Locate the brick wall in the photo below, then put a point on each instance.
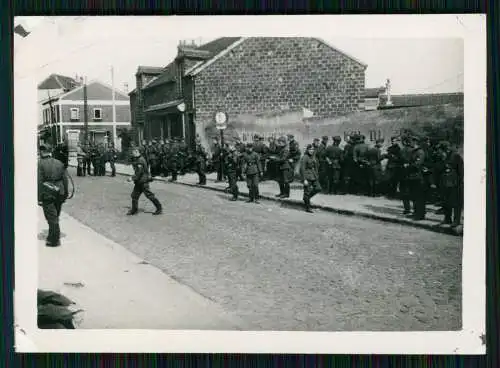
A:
(122, 113)
(267, 74)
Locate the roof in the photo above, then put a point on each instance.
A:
(57, 81)
(213, 47)
(374, 92)
(423, 99)
(149, 69)
(100, 89)
(163, 106)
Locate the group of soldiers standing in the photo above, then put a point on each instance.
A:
(92, 159)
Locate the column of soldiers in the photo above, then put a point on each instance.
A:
(92, 159)
(415, 171)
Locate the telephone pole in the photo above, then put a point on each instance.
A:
(114, 105)
(85, 111)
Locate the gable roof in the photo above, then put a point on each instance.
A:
(57, 81)
(141, 69)
(119, 95)
(214, 47)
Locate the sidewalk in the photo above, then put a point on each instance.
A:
(378, 208)
(116, 289)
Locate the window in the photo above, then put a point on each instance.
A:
(75, 113)
(98, 114)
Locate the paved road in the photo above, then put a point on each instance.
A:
(280, 268)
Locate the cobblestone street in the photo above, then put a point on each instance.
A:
(280, 268)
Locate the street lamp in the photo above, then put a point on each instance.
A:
(182, 108)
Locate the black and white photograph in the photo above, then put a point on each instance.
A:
(221, 177)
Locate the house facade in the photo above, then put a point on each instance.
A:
(244, 77)
(65, 113)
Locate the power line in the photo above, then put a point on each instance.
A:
(444, 81)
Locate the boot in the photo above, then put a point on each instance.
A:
(250, 196)
(286, 191)
(256, 196)
(134, 208)
(281, 191)
(159, 209)
(308, 205)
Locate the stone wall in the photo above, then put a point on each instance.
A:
(272, 74)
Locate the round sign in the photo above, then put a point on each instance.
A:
(181, 107)
(220, 120)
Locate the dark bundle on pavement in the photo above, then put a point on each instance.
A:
(53, 311)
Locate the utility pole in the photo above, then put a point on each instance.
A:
(114, 105)
(51, 122)
(85, 112)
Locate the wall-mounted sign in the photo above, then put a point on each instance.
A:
(221, 120)
(181, 107)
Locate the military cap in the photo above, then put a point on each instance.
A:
(249, 145)
(282, 139)
(317, 139)
(337, 138)
(325, 137)
(379, 141)
(309, 146)
(290, 136)
(256, 136)
(444, 145)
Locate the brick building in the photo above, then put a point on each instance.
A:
(67, 116)
(244, 76)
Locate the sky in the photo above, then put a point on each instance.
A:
(89, 46)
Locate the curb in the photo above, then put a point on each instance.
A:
(297, 203)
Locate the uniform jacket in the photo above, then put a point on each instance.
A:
(294, 151)
(373, 156)
(359, 152)
(283, 157)
(394, 156)
(217, 151)
(240, 147)
(141, 172)
(321, 152)
(231, 163)
(452, 171)
(416, 165)
(200, 153)
(335, 155)
(251, 163)
(51, 171)
(80, 153)
(309, 168)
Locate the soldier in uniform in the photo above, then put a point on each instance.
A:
(285, 164)
(271, 170)
(141, 181)
(94, 155)
(323, 164)
(173, 159)
(165, 164)
(295, 155)
(240, 148)
(61, 153)
(201, 162)
(416, 180)
(80, 156)
(154, 158)
(252, 171)
(183, 156)
(374, 156)
(232, 161)
(143, 150)
(334, 157)
(361, 165)
(309, 172)
(217, 158)
(404, 185)
(86, 159)
(348, 166)
(111, 157)
(451, 184)
(394, 166)
(52, 192)
(101, 159)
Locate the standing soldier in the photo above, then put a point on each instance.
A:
(101, 159)
(394, 166)
(240, 148)
(451, 184)
(231, 166)
(111, 157)
(201, 162)
(362, 166)
(86, 160)
(141, 181)
(334, 156)
(173, 158)
(373, 157)
(52, 192)
(416, 180)
(323, 164)
(154, 158)
(260, 148)
(183, 156)
(165, 158)
(295, 155)
(94, 155)
(80, 156)
(216, 158)
(310, 176)
(404, 185)
(348, 166)
(284, 163)
(252, 171)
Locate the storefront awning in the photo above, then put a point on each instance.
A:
(164, 107)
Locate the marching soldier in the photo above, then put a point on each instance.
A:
(143, 150)
(451, 184)
(374, 156)
(252, 171)
(200, 155)
(323, 164)
(334, 157)
(216, 158)
(284, 163)
(231, 166)
(141, 181)
(394, 166)
(310, 176)
(52, 192)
